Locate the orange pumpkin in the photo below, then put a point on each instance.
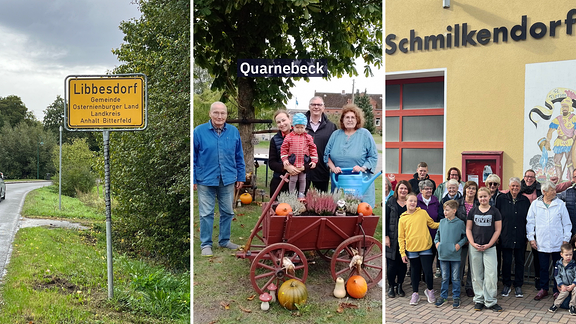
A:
(356, 286)
(292, 292)
(283, 209)
(246, 198)
(365, 209)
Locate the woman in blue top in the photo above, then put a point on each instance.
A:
(353, 147)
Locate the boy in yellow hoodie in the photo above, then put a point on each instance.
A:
(415, 243)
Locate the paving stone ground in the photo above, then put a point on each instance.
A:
(515, 310)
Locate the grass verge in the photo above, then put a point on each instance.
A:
(222, 286)
(58, 275)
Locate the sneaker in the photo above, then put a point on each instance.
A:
(207, 251)
(456, 303)
(430, 295)
(553, 309)
(505, 291)
(495, 308)
(572, 310)
(415, 299)
(230, 246)
(518, 292)
(440, 301)
(301, 195)
(438, 273)
(478, 306)
(541, 294)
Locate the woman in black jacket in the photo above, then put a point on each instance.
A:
(395, 268)
(513, 207)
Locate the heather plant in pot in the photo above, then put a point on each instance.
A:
(321, 203)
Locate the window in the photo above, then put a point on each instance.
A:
(414, 125)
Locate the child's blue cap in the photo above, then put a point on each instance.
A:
(299, 119)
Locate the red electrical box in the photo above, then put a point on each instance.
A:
(477, 165)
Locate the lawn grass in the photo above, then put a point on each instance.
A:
(44, 202)
(58, 275)
(225, 280)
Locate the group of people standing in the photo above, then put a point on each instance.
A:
(490, 227)
(307, 146)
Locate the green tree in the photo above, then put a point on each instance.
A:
(22, 147)
(362, 100)
(225, 31)
(77, 162)
(150, 169)
(13, 111)
(54, 118)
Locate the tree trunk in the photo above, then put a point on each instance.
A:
(246, 111)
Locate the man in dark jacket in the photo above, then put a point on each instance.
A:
(421, 175)
(320, 128)
(513, 207)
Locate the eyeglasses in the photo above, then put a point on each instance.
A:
(426, 188)
(529, 177)
(316, 105)
(490, 184)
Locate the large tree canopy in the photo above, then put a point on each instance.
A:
(336, 30)
(151, 168)
(13, 112)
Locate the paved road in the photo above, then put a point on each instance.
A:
(10, 216)
(516, 310)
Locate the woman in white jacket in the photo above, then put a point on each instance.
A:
(548, 227)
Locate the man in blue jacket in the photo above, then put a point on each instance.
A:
(218, 169)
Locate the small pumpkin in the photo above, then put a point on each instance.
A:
(365, 209)
(292, 292)
(339, 291)
(356, 286)
(283, 209)
(246, 198)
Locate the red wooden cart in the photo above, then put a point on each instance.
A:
(277, 253)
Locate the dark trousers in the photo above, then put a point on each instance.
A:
(519, 257)
(319, 185)
(544, 273)
(423, 262)
(395, 270)
(536, 269)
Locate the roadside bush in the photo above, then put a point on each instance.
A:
(77, 174)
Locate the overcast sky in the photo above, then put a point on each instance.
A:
(43, 41)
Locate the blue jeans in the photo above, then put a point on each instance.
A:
(206, 201)
(450, 268)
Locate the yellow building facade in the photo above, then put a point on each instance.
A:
(498, 72)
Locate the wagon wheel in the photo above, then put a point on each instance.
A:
(371, 268)
(268, 266)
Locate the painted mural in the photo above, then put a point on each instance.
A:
(550, 119)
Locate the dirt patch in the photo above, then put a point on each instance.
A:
(51, 282)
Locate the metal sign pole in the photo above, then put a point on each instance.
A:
(60, 173)
(106, 134)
